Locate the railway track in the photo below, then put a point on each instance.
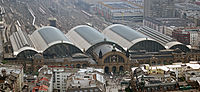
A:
(37, 12)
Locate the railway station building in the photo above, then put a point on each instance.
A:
(116, 49)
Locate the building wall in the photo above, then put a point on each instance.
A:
(169, 30)
(51, 84)
(109, 13)
(181, 36)
(158, 27)
(14, 76)
(103, 62)
(194, 38)
(19, 83)
(59, 79)
(127, 64)
(159, 8)
(187, 36)
(139, 2)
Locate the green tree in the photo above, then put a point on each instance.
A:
(4, 62)
(128, 89)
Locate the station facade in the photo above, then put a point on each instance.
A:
(116, 49)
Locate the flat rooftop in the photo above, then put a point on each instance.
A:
(11, 68)
(177, 22)
(121, 5)
(188, 6)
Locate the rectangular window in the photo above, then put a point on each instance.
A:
(86, 76)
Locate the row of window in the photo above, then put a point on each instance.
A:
(114, 58)
(90, 90)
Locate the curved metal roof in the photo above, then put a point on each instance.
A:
(52, 34)
(21, 42)
(181, 46)
(124, 35)
(125, 32)
(47, 36)
(24, 49)
(84, 36)
(80, 55)
(104, 48)
(171, 44)
(158, 36)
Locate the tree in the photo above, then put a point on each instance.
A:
(128, 89)
(4, 62)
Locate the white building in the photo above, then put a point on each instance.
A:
(60, 75)
(117, 11)
(180, 69)
(86, 80)
(194, 38)
(80, 77)
(139, 2)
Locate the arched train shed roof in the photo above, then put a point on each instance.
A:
(175, 44)
(86, 37)
(39, 41)
(47, 36)
(128, 37)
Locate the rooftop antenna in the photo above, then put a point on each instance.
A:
(114, 47)
(105, 39)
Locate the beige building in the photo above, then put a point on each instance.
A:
(11, 78)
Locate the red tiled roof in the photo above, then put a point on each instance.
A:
(43, 78)
(42, 87)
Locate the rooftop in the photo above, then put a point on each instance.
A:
(85, 37)
(130, 38)
(11, 68)
(39, 41)
(188, 6)
(177, 22)
(122, 34)
(121, 5)
(162, 38)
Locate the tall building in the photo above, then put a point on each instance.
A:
(60, 75)
(181, 36)
(117, 11)
(159, 8)
(161, 24)
(147, 4)
(86, 80)
(187, 36)
(139, 2)
(188, 11)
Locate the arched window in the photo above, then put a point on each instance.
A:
(121, 68)
(106, 69)
(107, 60)
(153, 62)
(27, 54)
(114, 69)
(84, 65)
(120, 59)
(114, 58)
(78, 66)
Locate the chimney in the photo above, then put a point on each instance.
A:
(52, 22)
(114, 47)
(3, 71)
